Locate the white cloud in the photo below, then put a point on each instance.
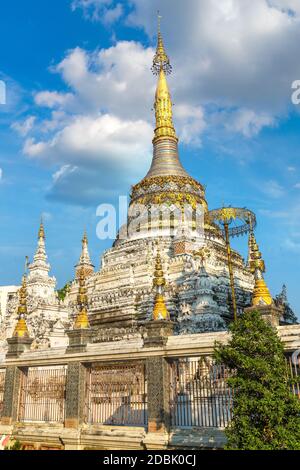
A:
(13, 97)
(53, 99)
(23, 128)
(233, 68)
(57, 120)
(47, 216)
(115, 143)
(112, 15)
(290, 6)
(272, 189)
(33, 148)
(114, 80)
(87, 139)
(228, 52)
(247, 122)
(102, 126)
(1, 175)
(191, 122)
(96, 156)
(63, 172)
(291, 245)
(117, 79)
(287, 217)
(297, 186)
(106, 11)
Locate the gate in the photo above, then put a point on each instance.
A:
(200, 396)
(117, 395)
(42, 397)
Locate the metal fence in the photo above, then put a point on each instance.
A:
(117, 395)
(293, 366)
(42, 397)
(200, 396)
(2, 385)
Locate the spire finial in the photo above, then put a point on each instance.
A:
(159, 279)
(261, 293)
(160, 311)
(85, 238)
(84, 260)
(163, 103)
(21, 329)
(159, 17)
(82, 321)
(256, 261)
(42, 229)
(161, 60)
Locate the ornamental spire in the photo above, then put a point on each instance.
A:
(161, 60)
(261, 293)
(40, 262)
(40, 267)
(84, 260)
(39, 283)
(41, 235)
(163, 103)
(82, 321)
(160, 311)
(21, 329)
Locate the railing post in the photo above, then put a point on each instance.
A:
(158, 385)
(75, 394)
(11, 395)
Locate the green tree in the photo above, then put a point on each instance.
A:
(14, 445)
(64, 291)
(266, 414)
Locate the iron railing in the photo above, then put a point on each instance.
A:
(117, 395)
(2, 385)
(293, 366)
(42, 396)
(200, 396)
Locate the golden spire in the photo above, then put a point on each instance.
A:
(161, 59)
(41, 230)
(261, 293)
(21, 329)
(163, 103)
(255, 256)
(84, 260)
(160, 311)
(82, 321)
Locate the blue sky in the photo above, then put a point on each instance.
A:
(76, 130)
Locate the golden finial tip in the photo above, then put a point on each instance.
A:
(85, 238)
(159, 17)
(41, 229)
(161, 60)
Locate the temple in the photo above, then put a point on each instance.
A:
(175, 218)
(145, 322)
